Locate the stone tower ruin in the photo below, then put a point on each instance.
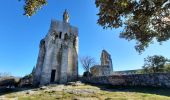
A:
(58, 55)
(106, 67)
(106, 59)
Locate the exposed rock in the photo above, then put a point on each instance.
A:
(77, 83)
(27, 92)
(43, 87)
(82, 91)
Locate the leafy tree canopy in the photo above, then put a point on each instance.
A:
(167, 67)
(155, 63)
(143, 20)
(31, 6)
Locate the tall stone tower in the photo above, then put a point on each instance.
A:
(106, 59)
(106, 67)
(58, 54)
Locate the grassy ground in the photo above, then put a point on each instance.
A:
(88, 92)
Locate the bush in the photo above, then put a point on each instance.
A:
(9, 81)
(26, 81)
(87, 74)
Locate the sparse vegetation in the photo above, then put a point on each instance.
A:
(88, 92)
(7, 80)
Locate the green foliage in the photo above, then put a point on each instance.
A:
(154, 64)
(141, 71)
(143, 20)
(167, 67)
(31, 6)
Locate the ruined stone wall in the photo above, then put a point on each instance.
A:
(99, 70)
(154, 80)
(106, 59)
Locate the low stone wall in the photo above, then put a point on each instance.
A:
(154, 80)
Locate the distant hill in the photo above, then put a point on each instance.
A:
(125, 72)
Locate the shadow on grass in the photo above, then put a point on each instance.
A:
(4, 91)
(110, 88)
(139, 89)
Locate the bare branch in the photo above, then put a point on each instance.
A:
(87, 62)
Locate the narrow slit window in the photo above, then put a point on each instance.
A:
(60, 35)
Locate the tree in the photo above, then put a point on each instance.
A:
(143, 20)
(167, 67)
(155, 64)
(87, 62)
(31, 6)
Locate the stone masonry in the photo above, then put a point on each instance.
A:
(58, 55)
(146, 80)
(105, 68)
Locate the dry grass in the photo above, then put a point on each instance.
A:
(88, 92)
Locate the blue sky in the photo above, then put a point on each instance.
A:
(20, 36)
